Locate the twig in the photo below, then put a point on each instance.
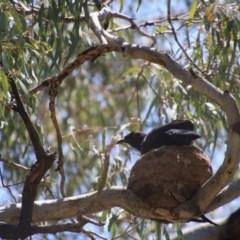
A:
(128, 230)
(68, 227)
(105, 157)
(45, 83)
(91, 234)
(103, 178)
(54, 84)
(133, 25)
(6, 161)
(89, 54)
(176, 38)
(84, 220)
(53, 91)
(7, 187)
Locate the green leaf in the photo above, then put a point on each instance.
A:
(179, 232)
(4, 23)
(17, 19)
(162, 29)
(165, 232)
(23, 87)
(112, 222)
(193, 9)
(3, 83)
(5, 63)
(121, 6)
(139, 4)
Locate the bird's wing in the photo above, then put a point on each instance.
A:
(180, 124)
(183, 133)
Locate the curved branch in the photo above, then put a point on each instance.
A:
(58, 209)
(228, 194)
(224, 99)
(53, 210)
(32, 132)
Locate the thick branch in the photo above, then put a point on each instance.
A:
(53, 210)
(228, 194)
(71, 206)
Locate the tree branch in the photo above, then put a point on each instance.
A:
(228, 194)
(44, 162)
(33, 135)
(224, 99)
(59, 209)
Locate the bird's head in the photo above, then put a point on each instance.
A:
(134, 139)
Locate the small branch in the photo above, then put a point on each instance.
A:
(7, 187)
(176, 38)
(133, 25)
(91, 235)
(54, 83)
(103, 36)
(34, 137)
(53, 91)
(53, 229)
(9, 231)
(45, 83)
(88, 55)
(103, 178)
(33, 178)
(106, 156)
(20, 166)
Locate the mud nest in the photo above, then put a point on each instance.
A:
(170, 175)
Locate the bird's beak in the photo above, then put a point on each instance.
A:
(120, 141)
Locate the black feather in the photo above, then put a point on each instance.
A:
(176, 133)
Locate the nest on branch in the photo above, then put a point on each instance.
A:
(170, 175)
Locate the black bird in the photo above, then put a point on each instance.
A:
(176, 133)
